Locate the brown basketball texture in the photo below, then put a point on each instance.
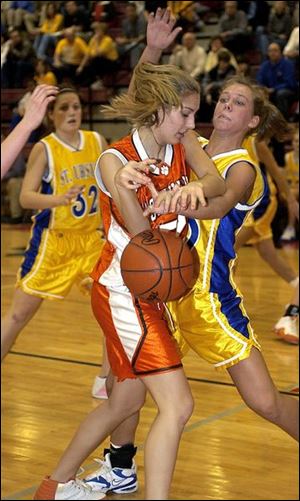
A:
(159, 265)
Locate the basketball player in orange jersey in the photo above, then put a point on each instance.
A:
(141, 350)
(65, 238)
(33, 117)
(213, 318)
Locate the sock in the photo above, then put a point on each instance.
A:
(294, 283)
(292, 310)
(121, 456)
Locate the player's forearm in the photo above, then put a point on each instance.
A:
(132, 212)
(13, 144)
(39, 201)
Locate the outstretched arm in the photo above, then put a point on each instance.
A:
(160, 35)
(34, 114)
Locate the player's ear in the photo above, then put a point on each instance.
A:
(254, 122)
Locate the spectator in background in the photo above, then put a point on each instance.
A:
(43, 74)
(278, 76)
(243, 66)
(103, 12)
(280, 24)
(101, 57)
(77, 17)
(46, 35)
(189, 56)
(16, 13)
(258, 18)
(132, 39)
(216, 43)
(68, 56)
(187, 16)
(213, 82)
(291, 49)
(233, 28)
(12, 186)
(19, 63)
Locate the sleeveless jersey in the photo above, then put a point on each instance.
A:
(292, 169)
(172, 171)
(271, 189)
(214, 239)
(69, 166)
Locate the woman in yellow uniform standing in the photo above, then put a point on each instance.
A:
(65, 236)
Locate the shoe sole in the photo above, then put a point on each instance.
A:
(287, 337)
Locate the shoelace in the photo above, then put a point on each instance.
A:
(80, 486)
(104, 468)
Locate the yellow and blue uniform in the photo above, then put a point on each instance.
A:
(65, 241)
(211, 318)
(261, 218)
(291, 166)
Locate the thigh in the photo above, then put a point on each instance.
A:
(216, 326)
(138, 338)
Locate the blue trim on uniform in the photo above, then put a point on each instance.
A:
(41, 222)
(260, 210)
(230, 307)
(194, 232)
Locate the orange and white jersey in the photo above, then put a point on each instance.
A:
(172, 171)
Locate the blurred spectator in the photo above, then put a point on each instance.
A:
(5, 45)
(101, 58)
(291, 49)
(216, 43)
(152, 6)
(68, 56)
(16, 13)
(19, 62)
(258, 18)
(187, 16)
(243, 68)
(77, 17)
(12, 183)
(233, 28)
(46, 35)
(133, 34)
(103, 12)
(278, 76)
(280, 24)
(43, 74)
(213, 81)
(4, 23)
(189, 56)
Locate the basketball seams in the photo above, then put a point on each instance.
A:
(160, 256)
(170, 266)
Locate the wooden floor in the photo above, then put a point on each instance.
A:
(226, 453)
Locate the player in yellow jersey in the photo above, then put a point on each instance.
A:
(291, 170)
(65, 236)
(258, 230)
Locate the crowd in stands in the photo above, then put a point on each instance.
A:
(82, 42)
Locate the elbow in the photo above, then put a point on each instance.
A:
(24, 201)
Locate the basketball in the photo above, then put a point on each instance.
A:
(158, 265)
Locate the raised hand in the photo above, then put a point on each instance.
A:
(37, 103)
(160, 32)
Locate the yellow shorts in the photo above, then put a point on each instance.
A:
(55, 260)
(215, 326)
(262, 225)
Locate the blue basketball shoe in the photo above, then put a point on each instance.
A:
(109, 479)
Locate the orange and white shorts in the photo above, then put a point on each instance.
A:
(138, 339)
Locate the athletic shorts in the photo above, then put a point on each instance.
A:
(139, 341)
(55, 260)
(215, 326)
(262, 225)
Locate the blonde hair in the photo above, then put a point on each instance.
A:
(155, 87)
(272, 123)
